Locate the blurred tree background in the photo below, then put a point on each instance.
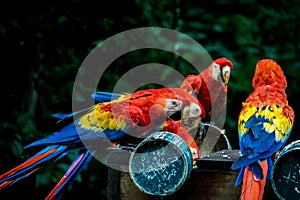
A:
(44, 44)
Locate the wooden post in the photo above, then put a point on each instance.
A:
(118, 160)
(212, 179)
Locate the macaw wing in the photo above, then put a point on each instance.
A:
(74, 135)
(71, 134)
(256, 149)
(99, 97)
(263, 131)
(95, 125)
(192, 84)
(258, 138)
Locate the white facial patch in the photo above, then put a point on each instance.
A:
(195, 110)
(172, 106)
(221, 75)
(216, 73)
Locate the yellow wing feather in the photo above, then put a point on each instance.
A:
(276, 120)
(247, 112)
(99, 120)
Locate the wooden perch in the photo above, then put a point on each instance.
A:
(212, 179)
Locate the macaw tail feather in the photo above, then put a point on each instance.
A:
(74, 170)
(253, 187)
(32, 164)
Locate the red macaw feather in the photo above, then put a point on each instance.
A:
(252, 187)
(175, 127)
(137, 114)
(264, 125)
(209, 91)
(27, 163)
(210, 88)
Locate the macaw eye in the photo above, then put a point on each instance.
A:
(198, 110)
(216, 65)
(195, 110)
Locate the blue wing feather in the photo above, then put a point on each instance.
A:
(257, 143)
(75, 134)
(256, 150)
(102, 97)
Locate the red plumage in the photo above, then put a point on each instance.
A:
(210, 88)
(264, 125)
(177, 128)
(137, 114)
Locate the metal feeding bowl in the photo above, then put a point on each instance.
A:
(285, 176)
(160, 164)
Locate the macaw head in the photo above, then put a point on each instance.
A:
(191, 116)
(221, 69)
(268, 72)
(194, 110)
(190, 107)
(173, 106)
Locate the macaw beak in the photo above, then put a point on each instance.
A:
(226, 77)
(226, 74)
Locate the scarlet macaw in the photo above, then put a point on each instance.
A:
(264, 125)
(210, 87)
(184, 127)
(216, 77)
(136, 114)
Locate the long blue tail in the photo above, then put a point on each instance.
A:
(50, 153)
(74, 170)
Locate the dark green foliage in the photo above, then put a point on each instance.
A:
(43, 46)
